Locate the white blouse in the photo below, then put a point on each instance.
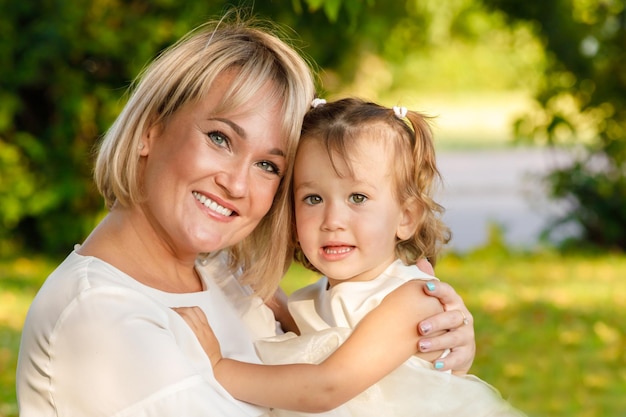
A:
(98, 343)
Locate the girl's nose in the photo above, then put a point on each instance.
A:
(334, 217)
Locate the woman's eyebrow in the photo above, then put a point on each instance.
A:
(242, 133)
(277, 151)
(238, 129)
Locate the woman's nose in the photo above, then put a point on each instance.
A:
(235, 180)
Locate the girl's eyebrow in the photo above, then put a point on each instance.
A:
(305, 184)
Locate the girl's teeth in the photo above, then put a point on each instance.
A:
(337, 251)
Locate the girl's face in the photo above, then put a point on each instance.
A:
(209, 179)
(347, 225)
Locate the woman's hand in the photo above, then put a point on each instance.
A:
(278, 305)
(456, 320)
(196, 319)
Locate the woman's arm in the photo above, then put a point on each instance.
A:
(381, 342)
(456, 323)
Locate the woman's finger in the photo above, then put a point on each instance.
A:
(455, 314)
(445, 293)
(447, 320)
(457, 325)
(425, 266)
(456, 361)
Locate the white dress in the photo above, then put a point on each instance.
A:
(98, 343)
(326, 318)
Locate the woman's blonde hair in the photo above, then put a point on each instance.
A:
(256, 53)
(341, 127)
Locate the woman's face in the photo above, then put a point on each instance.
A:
(209, 179)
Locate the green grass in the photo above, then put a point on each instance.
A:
(20, 278)
(550, 328)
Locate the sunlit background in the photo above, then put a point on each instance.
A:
(529, 106)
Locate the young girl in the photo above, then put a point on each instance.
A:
(362, 194)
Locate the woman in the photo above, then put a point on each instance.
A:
(193, 165)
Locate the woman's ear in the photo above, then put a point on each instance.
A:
(411, 213)
(148, 137)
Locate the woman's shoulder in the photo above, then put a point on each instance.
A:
(80, 281)
(75, 303)
(68, 280)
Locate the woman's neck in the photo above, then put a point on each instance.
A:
(124, 240)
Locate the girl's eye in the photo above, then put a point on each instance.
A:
(312, 200)
(218, 138)
(270, 167)
(357, 198)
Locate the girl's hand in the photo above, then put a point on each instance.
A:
(456, 320)
(196, 319)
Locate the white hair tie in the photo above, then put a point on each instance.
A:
(400, 112)
(317, 102)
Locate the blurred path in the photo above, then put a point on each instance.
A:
(501, 186)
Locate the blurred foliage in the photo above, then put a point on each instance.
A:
(582, 101)
(423, 47)
(67, 64)
(598, 200)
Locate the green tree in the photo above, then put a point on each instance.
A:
(582, 101)
(581, 98)
(66, 65)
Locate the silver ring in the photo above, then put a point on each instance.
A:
(465, 319)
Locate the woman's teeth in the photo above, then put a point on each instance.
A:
(212, 205)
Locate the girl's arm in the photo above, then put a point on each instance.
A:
(444, 330)
(381, 342)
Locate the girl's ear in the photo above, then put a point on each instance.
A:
(411, 213)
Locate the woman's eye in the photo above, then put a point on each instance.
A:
(358, 198)
(312, 199)
(269, 167)
(218, 138)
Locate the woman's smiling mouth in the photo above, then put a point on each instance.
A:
(212, 205)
